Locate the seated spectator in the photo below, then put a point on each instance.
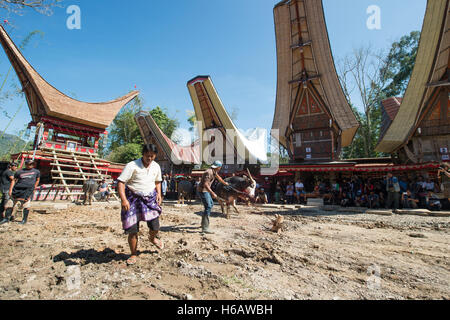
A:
(420, 191)
(433, 202)
(429, 185)
(316, 190)
(104, 191)
(409, 201)
(374, 200)
(300, 193)
(266, 186)
(322, 188)
(261, 197)
(278, 193)
(360, 201)
(382, 200)
(346, 200)
(335, 192)
(290, 193)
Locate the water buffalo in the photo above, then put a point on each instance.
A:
(185, 191)
(239, 188)
(89, 188)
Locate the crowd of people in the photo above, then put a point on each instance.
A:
(389, 192)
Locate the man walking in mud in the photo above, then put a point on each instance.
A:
(139, 188)
(21, 191)
(207, 194)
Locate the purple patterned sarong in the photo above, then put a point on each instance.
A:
(142, 208)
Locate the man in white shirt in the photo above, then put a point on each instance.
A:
(299, 190)
(139, 189)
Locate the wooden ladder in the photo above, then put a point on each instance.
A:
(62, 178)
(100, 174)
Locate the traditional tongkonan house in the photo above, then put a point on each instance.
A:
(312, 114)
(238, 152)
(173, 158)
(67, 131)
(420, 131)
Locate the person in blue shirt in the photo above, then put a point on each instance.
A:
(393, 190)
(403, 184)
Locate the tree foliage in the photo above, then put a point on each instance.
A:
(41, 6)
(375, 76)
(124, 129)
(125, 140)
(167, 124)
(126, 153)
(401, 57)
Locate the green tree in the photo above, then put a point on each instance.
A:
(400, 64)
(375, 76)
(124, 129)
(125, 135)
(167, 124)
(126, 153)
(192, 119)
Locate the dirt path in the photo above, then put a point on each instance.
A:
(80, 253)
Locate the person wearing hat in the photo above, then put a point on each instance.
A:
(207, 194)
(5, 182)
(21, 191)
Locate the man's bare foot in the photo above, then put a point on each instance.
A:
(132, 260)
(157, 243)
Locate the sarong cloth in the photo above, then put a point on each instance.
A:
(142, 208)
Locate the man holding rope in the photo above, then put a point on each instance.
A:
(207, 194)
(139, 189)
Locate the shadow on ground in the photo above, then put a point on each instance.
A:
(91, 256)
(181, 229)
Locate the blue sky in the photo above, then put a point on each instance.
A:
(159, 45)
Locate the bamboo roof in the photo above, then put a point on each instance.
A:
(174, 153)
(301, 30)
(44, 100)
(211, 113)
(430, 68)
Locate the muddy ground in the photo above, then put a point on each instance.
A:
(80, 253)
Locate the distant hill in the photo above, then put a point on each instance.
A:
(11, 144)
